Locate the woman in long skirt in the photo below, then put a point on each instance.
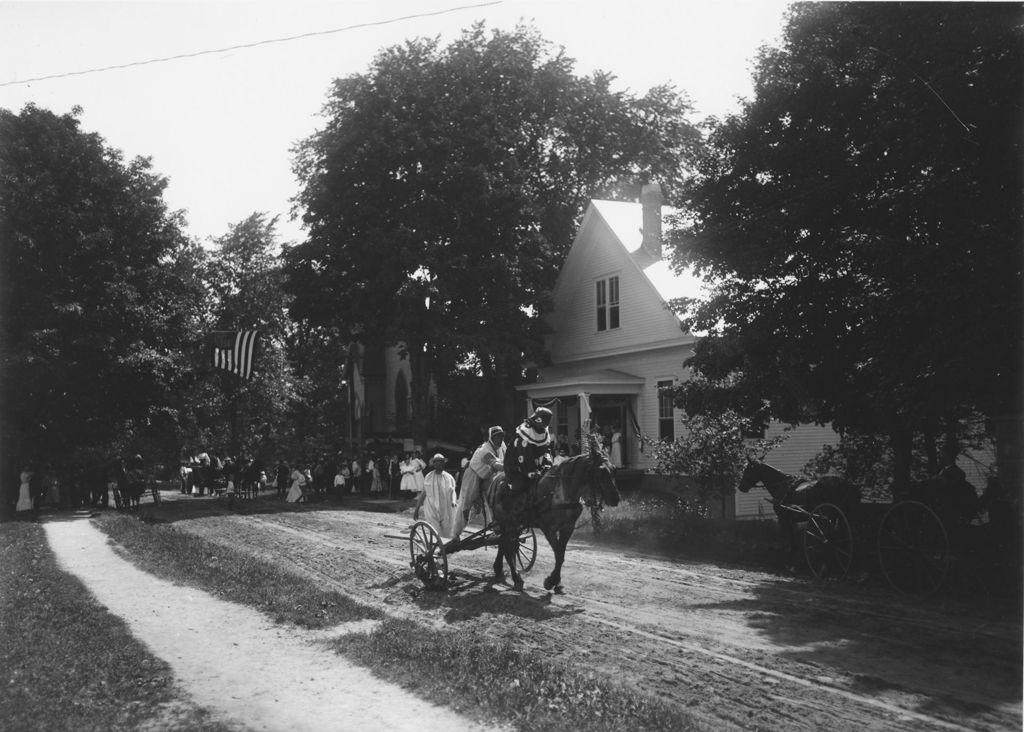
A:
(25, 499)
(374, 467)
(407, 468)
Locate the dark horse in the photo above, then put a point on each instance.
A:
(553, 505)
(794, 497)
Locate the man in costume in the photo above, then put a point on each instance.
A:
(487, 460)
(437, 499)
(529, 455)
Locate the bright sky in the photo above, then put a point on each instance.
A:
(220, 126)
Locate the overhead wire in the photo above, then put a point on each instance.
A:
(254, 44)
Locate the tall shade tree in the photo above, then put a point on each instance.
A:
(445, 188)
(246, 291)
(100, 294)
(862, 218)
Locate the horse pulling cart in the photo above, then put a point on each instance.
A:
(913, 541)
(552, 506)
(428, 552)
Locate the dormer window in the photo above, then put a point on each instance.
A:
(608, 303)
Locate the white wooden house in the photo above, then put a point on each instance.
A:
(615, 342)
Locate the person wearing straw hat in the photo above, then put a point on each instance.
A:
(487, 460)
(437, 499)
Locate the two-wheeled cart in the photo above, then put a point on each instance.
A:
(429, 553)
(913, 544)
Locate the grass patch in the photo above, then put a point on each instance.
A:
(479, 676)
(231, 575)
(67, 663)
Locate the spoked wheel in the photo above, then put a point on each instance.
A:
(913, 548)
(526, 551)
(428, 560)
(828, 542)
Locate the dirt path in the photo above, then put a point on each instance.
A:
(737, 647)
(233, 661)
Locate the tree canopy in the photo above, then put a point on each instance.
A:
(862, 220)
(99, 292)
(444, 191)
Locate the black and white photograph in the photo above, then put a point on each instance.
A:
(511, 365)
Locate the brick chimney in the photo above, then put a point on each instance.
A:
(650, 201)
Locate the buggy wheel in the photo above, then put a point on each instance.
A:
(428, 559)
(828, 542)
(526, 551)
(913, 548)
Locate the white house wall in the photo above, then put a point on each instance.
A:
(645, 323)
(652, 366)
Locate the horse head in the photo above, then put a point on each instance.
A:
(751, 475)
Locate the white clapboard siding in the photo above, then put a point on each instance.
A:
(802, 443)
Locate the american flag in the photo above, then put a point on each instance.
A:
(233, 351)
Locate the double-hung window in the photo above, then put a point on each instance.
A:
(608, 303)
(666, 415)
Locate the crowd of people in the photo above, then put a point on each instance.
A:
(96, 484)
(367, 473)
(445, 492)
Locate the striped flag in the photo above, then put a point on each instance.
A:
(636, 427)
(234, 350)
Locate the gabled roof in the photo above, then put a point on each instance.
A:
(625, 219)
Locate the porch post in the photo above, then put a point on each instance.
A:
(584, 400)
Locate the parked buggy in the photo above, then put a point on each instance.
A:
(914, 540)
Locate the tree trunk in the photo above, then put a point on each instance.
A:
(902, 452)
(1009, 432)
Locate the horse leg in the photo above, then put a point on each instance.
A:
(559, 540)
(499, 573)
(553, 579)
(792, 544)
(507, 549)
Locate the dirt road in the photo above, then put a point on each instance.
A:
(737, 647)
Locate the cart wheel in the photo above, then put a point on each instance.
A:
(913, 548)
(526, 552)
(428, 560)
(828, 542)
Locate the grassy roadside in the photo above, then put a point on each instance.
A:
(231, 575)
(68, 664)
(472, 674)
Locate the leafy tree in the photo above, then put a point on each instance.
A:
(862, 220)
(99, 294)
(445, 188)
(245, 283)
(711, 452)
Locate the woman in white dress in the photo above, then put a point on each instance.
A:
(25, 501)
(295, 492)
(407, 469)
(616, 451)
(417, 475)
